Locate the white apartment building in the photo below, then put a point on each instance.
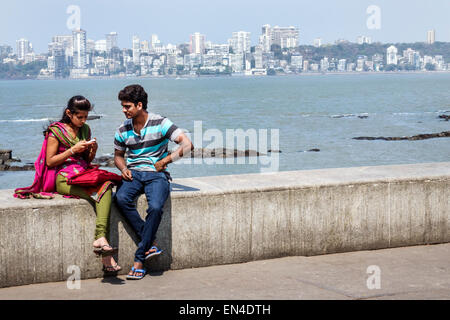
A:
(297, 62)
(258, 56)
(111, 41)
(266, 38)
(342, 65)
(240, 42)
(391, 55)
(317, 42)
(79, 49)
(23, 47)
(237, 62)
(136, 48)
(285, 37)
(431, 36)
(197, 43)
(155, 42)
(101, 45)
(324, 64)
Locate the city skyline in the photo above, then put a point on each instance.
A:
(174, 23)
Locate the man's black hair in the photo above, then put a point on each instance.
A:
(135, 94)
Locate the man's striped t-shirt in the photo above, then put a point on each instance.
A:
(150, 146)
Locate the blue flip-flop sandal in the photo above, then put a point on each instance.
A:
(143, 271)
(154, 253)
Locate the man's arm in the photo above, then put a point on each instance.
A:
(119, 161)
(186, 147)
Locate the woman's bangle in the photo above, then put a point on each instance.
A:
(124, 169)
(72, 151)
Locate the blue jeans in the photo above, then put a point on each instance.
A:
(156, 187)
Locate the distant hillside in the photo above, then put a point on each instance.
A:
(17, 72)
(351, 51)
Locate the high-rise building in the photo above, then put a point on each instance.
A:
(391, 55)
(145, 46)
(79, 49)
(101, 45)
(317, 42)
(431, 36)
(23, 48)
(258, 56)
(65, 40)
(240, 42)
(5, 50)
(265, 40)
(197, 43)
(136, 47)
(285, 37)
(111, 41)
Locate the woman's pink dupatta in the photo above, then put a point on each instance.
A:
(44, 184)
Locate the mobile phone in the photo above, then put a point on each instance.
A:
(91, 141)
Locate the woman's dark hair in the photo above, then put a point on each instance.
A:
(75, 105)
(135, 94)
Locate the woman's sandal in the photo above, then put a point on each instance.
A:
(99, 251)
(111, 270)
(135, 277)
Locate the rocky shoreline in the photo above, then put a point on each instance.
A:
(444, 134)
(6, 159)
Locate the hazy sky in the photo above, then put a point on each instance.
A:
(173, 21)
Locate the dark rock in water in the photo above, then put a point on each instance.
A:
(108, 161)
(5, 155)
(223, 153)
(94, 117)
(314, 150)
(445, 117)
(363, 117)
(26, 167)
(105, 161)
(444, 134)
(5, 160)
(274, 151)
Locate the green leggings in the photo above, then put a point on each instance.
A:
(102, 208)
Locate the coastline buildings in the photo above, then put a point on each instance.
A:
(277, 52)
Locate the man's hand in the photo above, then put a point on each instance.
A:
(120, 163)
(161, 165)
(127, 175)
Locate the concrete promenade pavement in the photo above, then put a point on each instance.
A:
(419, 272)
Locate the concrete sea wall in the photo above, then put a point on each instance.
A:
(239, 218)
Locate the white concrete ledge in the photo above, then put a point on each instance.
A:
(239, 218)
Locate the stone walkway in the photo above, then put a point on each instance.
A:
(421, 272)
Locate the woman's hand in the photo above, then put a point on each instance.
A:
(80, 147)
(93, 146)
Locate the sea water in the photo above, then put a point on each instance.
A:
(321, 112)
